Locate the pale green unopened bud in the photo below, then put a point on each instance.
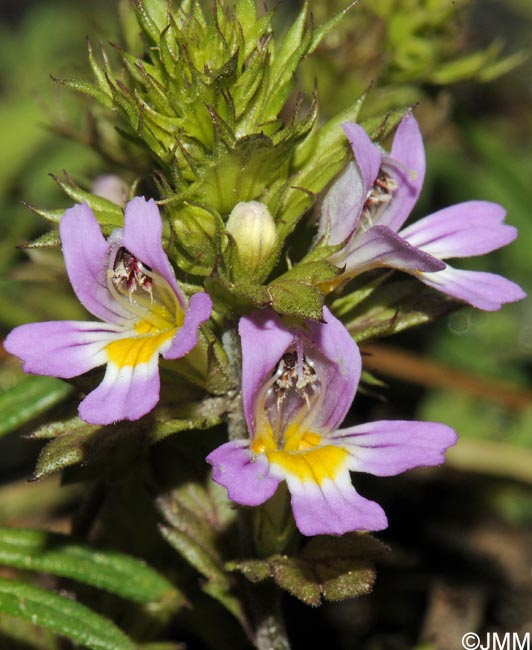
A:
(112, 188)
(253, 229)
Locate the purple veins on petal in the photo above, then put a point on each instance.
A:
(389, 447)
(128, 282)
(62, 349)
(462, 230)
(333, 508)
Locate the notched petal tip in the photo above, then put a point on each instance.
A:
(389, 447)
(126, 393)
(334, 508)
(246, 477)
(485, 291)
(63, 349)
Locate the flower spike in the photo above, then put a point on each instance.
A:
(297, 387)
(128, 283)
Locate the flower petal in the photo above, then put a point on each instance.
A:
(389, 447)
(85, 253)
(264, 341)
(485, 291)
(143, 229)
(381, 247)
(368, 156)
(471, 228)
(409, 151)
(60, 348)
(126, 393)
(333, 508)
(199, 310)
(341, 376)
(342, 206)
(246, 476)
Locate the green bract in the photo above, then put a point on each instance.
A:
(206, 109)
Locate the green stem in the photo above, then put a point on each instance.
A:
(270, 631)
(263, 601)
(236, 423)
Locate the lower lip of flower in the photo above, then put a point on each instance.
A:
(139, 348)
(302, 455)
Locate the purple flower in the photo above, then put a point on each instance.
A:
(297, 386)
(129, 284)
(371, 200)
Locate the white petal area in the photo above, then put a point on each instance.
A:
(333, 507)
(126, 393)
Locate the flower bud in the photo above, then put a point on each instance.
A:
(112, 188)
(253, 228)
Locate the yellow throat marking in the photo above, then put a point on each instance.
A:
(302, 456)
(141, 347)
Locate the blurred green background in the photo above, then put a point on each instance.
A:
(471, 370)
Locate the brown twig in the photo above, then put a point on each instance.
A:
(401, 364)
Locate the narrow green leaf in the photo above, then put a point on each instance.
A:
(29, 398)
(49, 239)
(284, 64)
(198, 517)
(99, 73)
(357, 292)
(50, 215)
(117, 573)
(105, 211)
(74, 442)
(319, 159)
(321, 32)
(62, 616)
(148, 12)
(329, 140)
(290, 44)
(246, 13)
(195, 553)
(86, 88)
(395, 307)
